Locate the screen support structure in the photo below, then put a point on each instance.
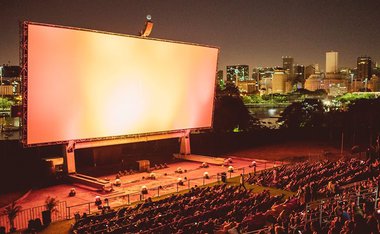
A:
(185, 144)
(70, 147)
(24, 76)
(69, 157)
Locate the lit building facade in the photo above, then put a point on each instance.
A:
(313, 82)
(236, 73)
(332, 62)
(11, 80)
(364, 68)
(280, 77)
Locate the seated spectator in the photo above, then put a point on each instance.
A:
(144, 190)
(98, 201)
(180, 182)
(231, 169)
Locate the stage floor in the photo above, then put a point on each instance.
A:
(131, 184)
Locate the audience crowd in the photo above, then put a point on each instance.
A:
(315, 180)
(201, 210)
(330, 197)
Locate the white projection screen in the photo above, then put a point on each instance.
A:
(84, 84)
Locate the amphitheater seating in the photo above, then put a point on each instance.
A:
(348, 187)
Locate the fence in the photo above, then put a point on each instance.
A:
(315, 210)
(22, 219)
(67, 212)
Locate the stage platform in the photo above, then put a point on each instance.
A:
(201, 158)
(166, 182)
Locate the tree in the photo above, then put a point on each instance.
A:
(363, 115)
(230, 111)
(11, 211)
(308, 113)
(5, 103)
(51, 204)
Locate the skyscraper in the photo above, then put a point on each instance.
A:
(299, 75)
(332, 62)
(236, 73)
(287, 64)
(364, 68)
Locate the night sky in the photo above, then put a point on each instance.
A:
(253, 32)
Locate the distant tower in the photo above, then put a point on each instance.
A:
(287, 64)
(332, 62)
(299, 75)
(364, 66)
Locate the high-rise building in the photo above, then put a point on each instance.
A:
(256, 74)
(299, 75)
(364, 68)
(287, 64)
(11, 80)
(332, 62)
(236, 73)
(279, 80)
(309, 70)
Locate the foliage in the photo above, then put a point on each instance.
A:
(351, 97)
(256, 98)
(51, 203)
(358, 120)
(222, 84)
(299, 94)
(247, 99)
(308, 113)
(230, 90)
(230, 112)
(364, 115)
(5, 103)
(279, 98)
(11, 211)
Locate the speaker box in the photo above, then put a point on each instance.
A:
(144, 165)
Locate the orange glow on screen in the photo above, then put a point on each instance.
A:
(84, 85)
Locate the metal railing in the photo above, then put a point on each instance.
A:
(355, 196)
(22, 219)
(67, 212)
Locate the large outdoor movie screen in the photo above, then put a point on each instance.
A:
(84, 84)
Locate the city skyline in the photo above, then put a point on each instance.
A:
(256, 33)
